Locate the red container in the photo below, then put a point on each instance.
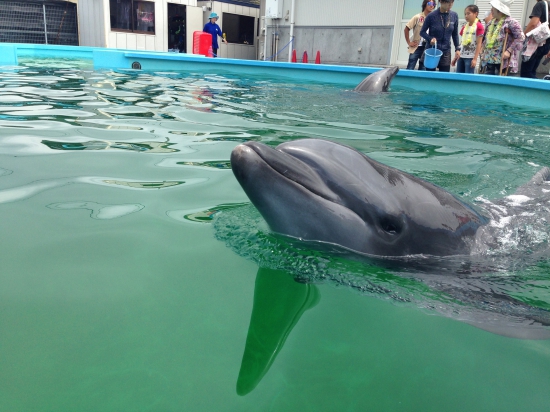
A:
(202, 41)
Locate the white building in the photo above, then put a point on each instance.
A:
(358, 32)
(163, 25)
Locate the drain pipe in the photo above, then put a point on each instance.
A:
(273, 45)
(291, 31)
(276, 45)
(265, 37)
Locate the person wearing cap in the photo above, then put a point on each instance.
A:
(416, 45)
(215, 30)
(439, 27)
(494, 57)
(538, 15)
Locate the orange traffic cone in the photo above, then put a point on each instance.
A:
(293, 60)
(318, 57)
(304, 57)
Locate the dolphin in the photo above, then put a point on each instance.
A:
(329, 194)
(318, 190)
(378, 81)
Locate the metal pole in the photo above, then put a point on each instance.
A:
(291, 31)
(45, 25)
(265, 37)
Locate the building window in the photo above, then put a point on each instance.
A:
(238, 29)
(133, 15)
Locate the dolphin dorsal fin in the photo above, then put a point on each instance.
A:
(538, 179)
(543, 175)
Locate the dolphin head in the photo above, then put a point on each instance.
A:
(378, 81)
(323, 191)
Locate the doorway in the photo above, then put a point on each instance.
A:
(177, 41)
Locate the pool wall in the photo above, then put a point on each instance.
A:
(515, 90)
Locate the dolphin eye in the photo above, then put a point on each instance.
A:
(390, 226)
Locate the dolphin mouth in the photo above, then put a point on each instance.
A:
(293, 169)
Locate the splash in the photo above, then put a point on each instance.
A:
(459, 287)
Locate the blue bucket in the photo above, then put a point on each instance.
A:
(431, 57)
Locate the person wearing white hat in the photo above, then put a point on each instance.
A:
(538, 15)
(502, 29)
(215, 30)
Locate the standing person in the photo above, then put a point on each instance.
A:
(538, 15)
(212, 28)
(442, 24)
(493, 55)
(487, 19)
(472, 37)
(416, 46)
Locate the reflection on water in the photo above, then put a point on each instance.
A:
(144, 185)
(98, 145)
(99, 211)
(183, 310)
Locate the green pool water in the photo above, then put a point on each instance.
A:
(131, 260)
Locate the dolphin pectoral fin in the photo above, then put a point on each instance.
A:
(279, 302)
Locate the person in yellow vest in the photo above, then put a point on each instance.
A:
(472, 37)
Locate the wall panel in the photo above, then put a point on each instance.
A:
(338, 45)
(131, 41)
(140, 42)
(91, 34)
(332, 13)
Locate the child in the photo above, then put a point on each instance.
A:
(472, 37)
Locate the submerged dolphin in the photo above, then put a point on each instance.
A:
(323, 191)
(378, 81)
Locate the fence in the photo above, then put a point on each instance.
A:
(38, 22)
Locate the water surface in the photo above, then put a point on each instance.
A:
(130, 256)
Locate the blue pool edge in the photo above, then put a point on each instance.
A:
(514, 90)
